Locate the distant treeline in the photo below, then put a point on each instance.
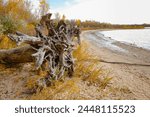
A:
(146, 25)
(86, 25)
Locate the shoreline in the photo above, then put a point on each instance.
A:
(115, 41)
(131, 50)
(136, 78)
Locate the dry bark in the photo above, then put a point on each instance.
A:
(17, 55)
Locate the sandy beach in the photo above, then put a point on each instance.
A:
(129, 65)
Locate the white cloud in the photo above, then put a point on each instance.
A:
(113, 11)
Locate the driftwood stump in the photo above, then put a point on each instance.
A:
(55, 48)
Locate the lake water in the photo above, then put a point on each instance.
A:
(140, 37)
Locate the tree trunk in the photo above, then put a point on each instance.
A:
(17, 55)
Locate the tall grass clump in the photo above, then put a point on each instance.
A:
(88, 67)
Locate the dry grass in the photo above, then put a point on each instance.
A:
(88, 68)
(6, 43)
(59, 90)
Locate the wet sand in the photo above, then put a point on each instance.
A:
(129, 65)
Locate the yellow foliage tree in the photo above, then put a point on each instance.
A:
(44, 7)
(16, 15)
(15, 7)
(78, 22)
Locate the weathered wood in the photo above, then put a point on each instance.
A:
(23, 38)
(55, 48)
(17, 55)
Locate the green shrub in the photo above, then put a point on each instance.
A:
(8, 24)
(1, 29)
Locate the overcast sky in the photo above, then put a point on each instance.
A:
(112, 11)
